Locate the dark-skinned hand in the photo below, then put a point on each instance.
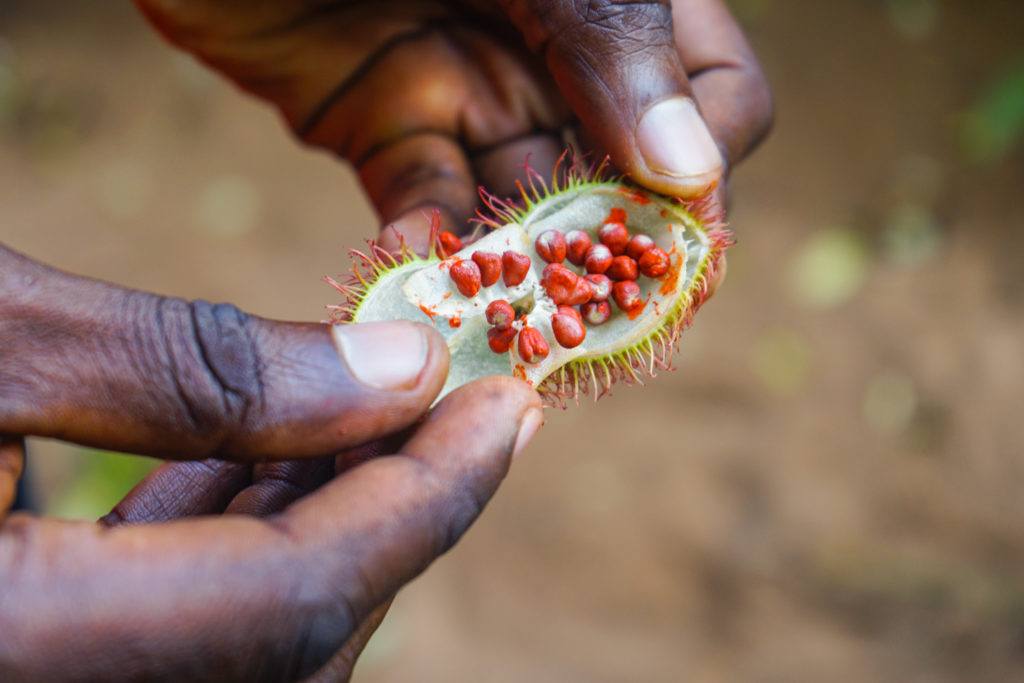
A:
(428, 100)
(256, 595)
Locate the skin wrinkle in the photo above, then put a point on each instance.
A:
(216, 331)
(184, 397)
(351, 80)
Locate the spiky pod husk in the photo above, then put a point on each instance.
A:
(584, 376)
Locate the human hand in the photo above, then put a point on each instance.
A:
(431, 99)
(232, 597)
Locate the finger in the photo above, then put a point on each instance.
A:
(408, 178)
(403, 511)
(12, 463)
(728, 81)
(341, 665)
(180, 489)
(500, 167)
(237, 598)
(92, 363)
(275, 485)
(617, 65)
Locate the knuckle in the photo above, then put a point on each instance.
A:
(614, 31)
(623, 21)
(217, 367)
(624, 27)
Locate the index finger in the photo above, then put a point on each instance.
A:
(725, 75)
(235, 597)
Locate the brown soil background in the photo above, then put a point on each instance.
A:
(825, 490)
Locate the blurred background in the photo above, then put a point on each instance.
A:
(831, 485)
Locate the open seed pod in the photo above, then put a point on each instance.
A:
(586, 283)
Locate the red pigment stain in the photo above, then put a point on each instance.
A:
(519, 372)
(455, 321)
(447, 295)
(429, 311)
(635, 312)
(634, 196)
(616, 215)
(664, 213)
(670, 280)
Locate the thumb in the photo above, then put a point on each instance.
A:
(617, 66)
(90, 362)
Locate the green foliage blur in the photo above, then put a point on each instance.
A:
(100, 479)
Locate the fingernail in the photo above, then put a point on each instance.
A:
(528, 426)
(675, 141)
(383, 355)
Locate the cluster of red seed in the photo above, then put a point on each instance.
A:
(485, 267)
(502, 317)
(611, 267)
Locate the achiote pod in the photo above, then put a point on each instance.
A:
(557, 284)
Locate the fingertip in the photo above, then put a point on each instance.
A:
(492, 418)
(678, 153)
(394, 356)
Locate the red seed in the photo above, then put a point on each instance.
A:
(599, 257)
(622, 268)
(501, 340)
(578, 243)
(568, 329)
(569, 310)
(490, 267)
(466, 276)
(500, 314)
(551, 246)
(564, 286)
(596, 312)
(638, 244)
(602, 286)
(450, 243)
(615, 236)
(532, 346)
(654, 263)
(514, 268)
(626, 294)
